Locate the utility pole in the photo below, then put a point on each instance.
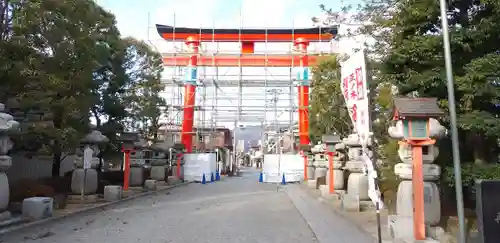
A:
(273, 102)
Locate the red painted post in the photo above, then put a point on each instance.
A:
(126, 172)
(305, 165)
(418, 193)
(303, 93)
(331, 180)
(190, 94)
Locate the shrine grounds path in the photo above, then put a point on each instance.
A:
(234, 210)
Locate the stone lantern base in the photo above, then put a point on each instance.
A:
(158, 172)
(174, 172)
(432, 202)
(338, 179)
(319, 172)
(89, 185)
(357, 184)
(136, 176)
(4, 197)
(310, 172)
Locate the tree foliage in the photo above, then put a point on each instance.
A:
(64, 62)
(145, 87)
(406, 55)
(328, 113)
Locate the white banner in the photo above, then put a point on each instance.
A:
(354, 87)
(355, 90)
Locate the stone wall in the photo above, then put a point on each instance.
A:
(35, 167)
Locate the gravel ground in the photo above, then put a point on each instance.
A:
(234, 210)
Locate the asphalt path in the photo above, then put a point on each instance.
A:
(233, 210)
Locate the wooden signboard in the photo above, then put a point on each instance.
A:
(488, 210)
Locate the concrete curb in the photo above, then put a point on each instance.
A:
(343, 214)
(100, 207)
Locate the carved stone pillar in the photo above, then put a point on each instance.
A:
(86, 179)
(7, 124)
(357, 183)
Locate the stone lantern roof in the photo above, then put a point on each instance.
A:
(95, 137)
(416, 107)
(331, 139)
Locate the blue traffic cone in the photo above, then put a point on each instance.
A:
(283, 180)
(261, 177)
(212, 177)
(203, 179)
(217, 176)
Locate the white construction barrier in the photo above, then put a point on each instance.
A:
(275, 165)
(195, 165)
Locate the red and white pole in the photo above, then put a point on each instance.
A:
(331, 180)
(190, 94)
(303, 93)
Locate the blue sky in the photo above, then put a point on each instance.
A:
(132, 15)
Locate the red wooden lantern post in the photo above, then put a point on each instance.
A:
(128, 139)
(331, 141)
(126, 172)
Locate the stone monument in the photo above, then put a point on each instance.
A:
(358, 180)
(137, 162)
(401, 225)
(84, 178)
(7, 124)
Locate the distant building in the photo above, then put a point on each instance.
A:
(203, 138)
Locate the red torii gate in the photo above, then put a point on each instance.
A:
(247, 37)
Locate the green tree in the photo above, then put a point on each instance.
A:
(145, 104)
(328, 113)
(65, 60)
(408, 54)
(415, 64)
(62, 41)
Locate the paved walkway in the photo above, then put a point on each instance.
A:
(234, 210)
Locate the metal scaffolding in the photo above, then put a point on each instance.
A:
(234, 96)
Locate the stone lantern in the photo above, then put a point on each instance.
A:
(86, 179)
(418, 202)
(357, 182)
(7, 124)
(137, 163)
(319, 163)
(159, 161)
(138, 156)
(128, 139)
(307, 151)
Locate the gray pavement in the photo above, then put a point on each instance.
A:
(235, 210)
